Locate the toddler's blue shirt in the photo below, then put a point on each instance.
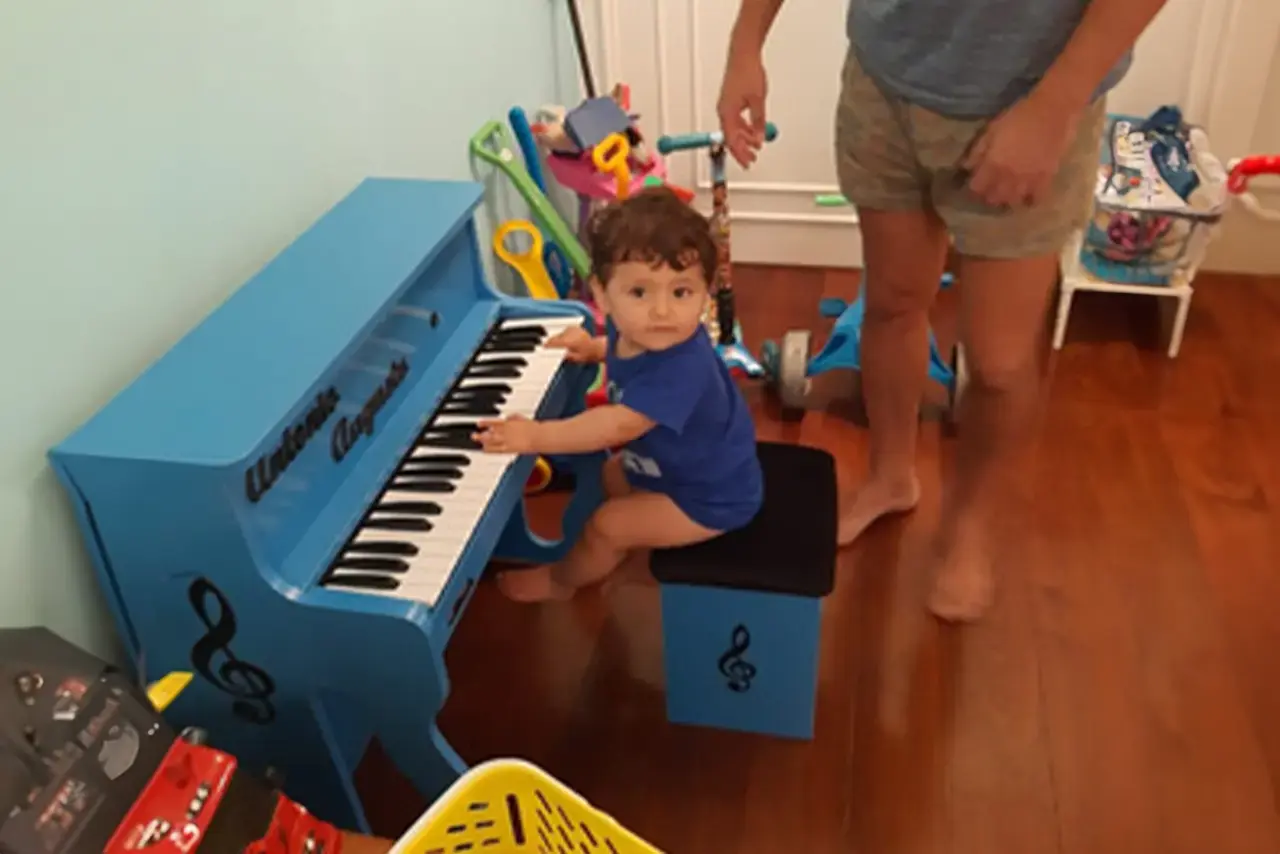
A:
(702, 451)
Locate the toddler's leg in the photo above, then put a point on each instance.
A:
(614, 478)
(640, 520)
(533, 583)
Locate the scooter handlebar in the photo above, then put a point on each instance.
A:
(688, 141)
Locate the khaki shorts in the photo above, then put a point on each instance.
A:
(891, 155)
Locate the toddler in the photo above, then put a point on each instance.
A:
(687, 469)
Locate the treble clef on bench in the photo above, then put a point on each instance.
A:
(737, 670)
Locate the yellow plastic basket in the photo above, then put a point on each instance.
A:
(507, 805)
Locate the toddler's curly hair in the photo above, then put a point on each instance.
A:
(653, 226)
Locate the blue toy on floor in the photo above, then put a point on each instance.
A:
(789, 368)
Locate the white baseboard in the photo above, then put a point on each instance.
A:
(798, 244)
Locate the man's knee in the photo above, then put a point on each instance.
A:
(904, 295)
(906, 255)
(898, 307)
(1004, 373)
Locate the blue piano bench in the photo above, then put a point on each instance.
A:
(741, 613)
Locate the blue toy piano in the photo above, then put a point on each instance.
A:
(289, 503)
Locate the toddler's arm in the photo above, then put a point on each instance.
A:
(596, 350)
(580, 346)
(596, 429)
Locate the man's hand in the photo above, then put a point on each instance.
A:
(744, 90)
(1015, 160)
(578, 344)
(512, 435)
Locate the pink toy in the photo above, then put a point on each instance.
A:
(580, 175)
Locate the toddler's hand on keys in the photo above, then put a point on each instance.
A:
(513, 435)
(577, 343)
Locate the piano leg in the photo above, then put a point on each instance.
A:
(518, 543)
(422, 753)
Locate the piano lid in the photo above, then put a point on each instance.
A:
(234, 379)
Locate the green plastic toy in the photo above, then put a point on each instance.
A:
(492, 144)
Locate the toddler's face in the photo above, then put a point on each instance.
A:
(654, 307)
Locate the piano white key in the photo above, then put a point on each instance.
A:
(440, 548)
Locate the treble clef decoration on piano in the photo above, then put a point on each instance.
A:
(250, 685)
(737, 670)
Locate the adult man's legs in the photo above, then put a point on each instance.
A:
(1002, 312)
(904, 244)
(1008, 269)
(905, 253)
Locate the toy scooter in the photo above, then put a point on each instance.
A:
(721, 322)
(789, 368)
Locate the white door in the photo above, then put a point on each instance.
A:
(1209, 56)
(671, 53)
(1242, 117)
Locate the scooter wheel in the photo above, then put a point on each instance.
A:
(793, 369)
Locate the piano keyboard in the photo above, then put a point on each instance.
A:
(413, 536)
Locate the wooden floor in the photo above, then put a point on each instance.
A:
(1123, 698)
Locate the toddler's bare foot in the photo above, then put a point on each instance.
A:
(533, 585)
(964, 587)
(878, 497)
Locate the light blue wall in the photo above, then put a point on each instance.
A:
(155, 154)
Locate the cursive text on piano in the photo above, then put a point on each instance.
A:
(347, 431)
(263, 474)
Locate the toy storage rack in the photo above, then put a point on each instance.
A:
(1081, 272)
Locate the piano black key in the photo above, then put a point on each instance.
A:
(481, 391)
(364, 581)
(430, 470)
(508, 361)
(410, 508)
(499, 372)
(442, 459)
(532, 329)
(376, 564)
(397, 523)
(486, 397)
(514, 346)
(480, 410)
(464, 400)
(422, 484)
(384, 547)
(481, 388)
(502, 338)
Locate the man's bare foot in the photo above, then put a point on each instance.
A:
(533, 585)
(963, 588)
(875, 498)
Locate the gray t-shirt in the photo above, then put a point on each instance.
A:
(964, 58)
